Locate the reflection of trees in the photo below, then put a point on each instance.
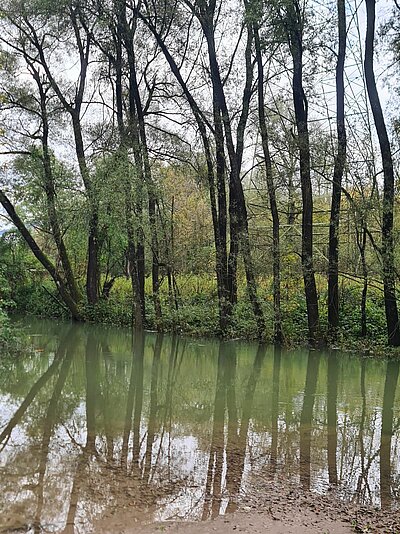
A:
(392, 374)
(48, 428)
(236, 442)
(178, 422)
(362, 483)
(215, 462)
(35, 389)
(152, 425)
(92, 372)
(332, 388)
(275, 407)
(134, 399)
(306, 418)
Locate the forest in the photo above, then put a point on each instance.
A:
(210, 167)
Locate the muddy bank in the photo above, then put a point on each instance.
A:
(283, 510)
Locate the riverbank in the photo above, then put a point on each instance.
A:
(275, 509)
(194, 312)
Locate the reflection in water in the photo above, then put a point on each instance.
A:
(48, 427)
(331, 409)
(392, 373)
(275, 408)
(306, 426)
(97, 420)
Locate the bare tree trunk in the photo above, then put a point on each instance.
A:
(217, 217)
(238, 209)
(276, 258)
(340, 160)
(294, 29)
(389, 285)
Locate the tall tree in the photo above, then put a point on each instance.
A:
(340, 160)
(389, 284)
(30, 22)
(294, 24)
(276, 255)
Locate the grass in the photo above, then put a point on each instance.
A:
(197, 312)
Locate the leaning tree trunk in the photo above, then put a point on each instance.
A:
(340, 160)
(389, 285)
(301, 113)
(39, 254)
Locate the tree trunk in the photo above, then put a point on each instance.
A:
(389, 285)
(49, 188)
(238, 210)
(276, 258)
(217, 218)
(93, 271)
(301, 113)
(141, 142)
(129, 138)
(340, 160)
(64, 293)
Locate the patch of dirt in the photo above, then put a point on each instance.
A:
(271, 509)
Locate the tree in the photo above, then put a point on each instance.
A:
(340, 160)
(392, 316)
(294, 24)
(40, 28)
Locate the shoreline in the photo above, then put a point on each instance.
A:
(289, 510)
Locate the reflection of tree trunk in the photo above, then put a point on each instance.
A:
(92, 384)
(74, 498)
(137, 415)
(92, 393)
(214, 472)
(275, 407)
(364, 471)
(233, 452)
(235, 467)
(392, 374)
(39, 384)
(107, 402)
(128, 415)
(332, 416)
(135, 397)
(153, 406)
(48, 427)
(306, 418)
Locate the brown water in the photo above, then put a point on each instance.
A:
(94, 422)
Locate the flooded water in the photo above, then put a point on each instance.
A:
(94, 421)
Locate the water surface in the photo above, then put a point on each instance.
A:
(94, 421)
